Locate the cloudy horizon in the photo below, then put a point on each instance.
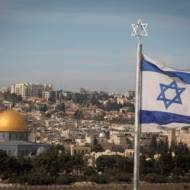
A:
(87, 43)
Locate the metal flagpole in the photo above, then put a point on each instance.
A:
(139, 30)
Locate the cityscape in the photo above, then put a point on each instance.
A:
(96, 128)
(82, 105)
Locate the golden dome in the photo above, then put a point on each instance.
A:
(11, 120)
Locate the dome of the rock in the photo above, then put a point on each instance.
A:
(12, 121)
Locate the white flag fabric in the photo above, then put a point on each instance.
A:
(165, 94)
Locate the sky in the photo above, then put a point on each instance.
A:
(88, 43)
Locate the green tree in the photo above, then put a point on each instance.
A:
(78, 114)
(12, 97)
(43, 107)
(153, 145)
(182, 157)
(48, 162)
(97, 148)
(61, 107)
(104, 163)
(3, 161)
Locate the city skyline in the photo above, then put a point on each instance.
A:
(74, 44)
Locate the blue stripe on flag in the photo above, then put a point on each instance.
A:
(148, 66)
(162, 118)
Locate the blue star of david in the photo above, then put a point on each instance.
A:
(176, 99)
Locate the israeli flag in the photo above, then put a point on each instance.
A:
(165, 94)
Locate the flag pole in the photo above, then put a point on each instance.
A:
(139, 30)
(137, 131)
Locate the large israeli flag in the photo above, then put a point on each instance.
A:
(165, 94)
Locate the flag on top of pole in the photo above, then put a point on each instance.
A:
(165, 94)
(162, 95)
(139, 31)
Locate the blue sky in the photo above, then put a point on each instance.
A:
(87, 43)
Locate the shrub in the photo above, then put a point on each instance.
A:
(178, 172)
(97, 178)
(89, 171)
(18, 179)
(5, 175)
(154, 178)
(40, 180)
(65, 180)
(123, 177)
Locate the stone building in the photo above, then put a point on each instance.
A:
(14, 135)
